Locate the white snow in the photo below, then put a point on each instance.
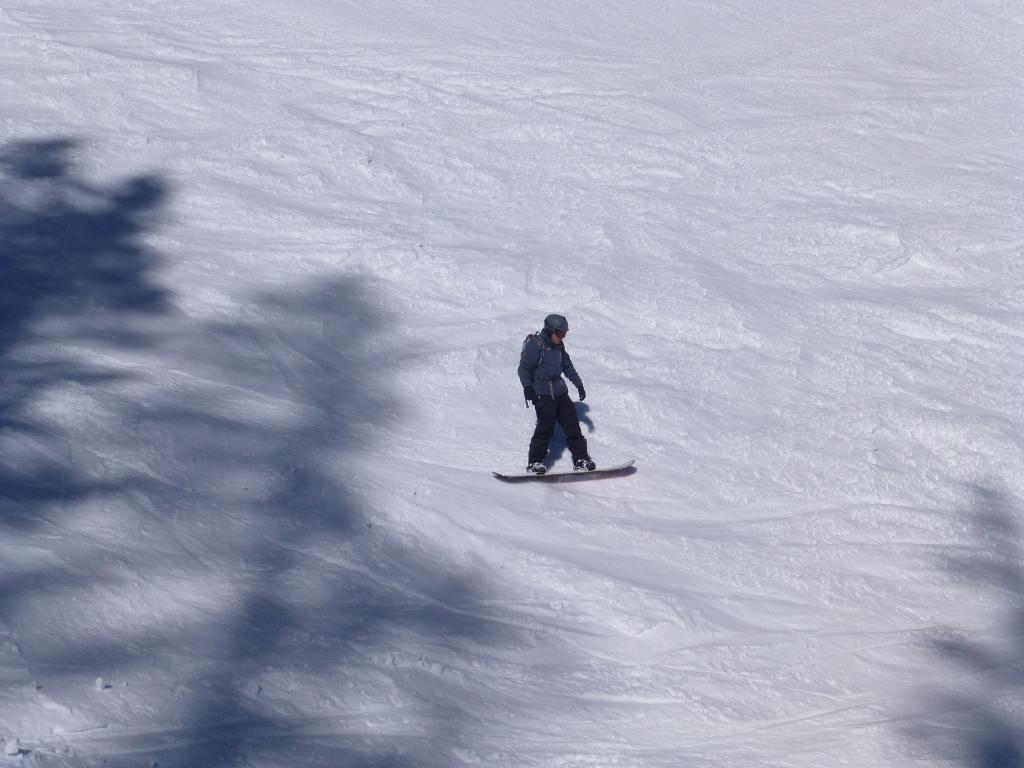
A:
(265, 268)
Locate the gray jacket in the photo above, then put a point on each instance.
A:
(542, 364)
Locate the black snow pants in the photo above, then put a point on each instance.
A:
(562, 410)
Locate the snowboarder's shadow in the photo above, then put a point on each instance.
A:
(559, 442)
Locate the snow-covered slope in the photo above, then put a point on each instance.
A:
(264, 273)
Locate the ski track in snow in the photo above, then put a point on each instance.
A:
(264, 273)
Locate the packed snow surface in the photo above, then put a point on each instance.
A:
(265, 271)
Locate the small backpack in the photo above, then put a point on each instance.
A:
(534, 337)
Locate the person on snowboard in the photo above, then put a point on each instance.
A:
(542, 363)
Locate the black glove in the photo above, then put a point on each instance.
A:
(582, 391)
(531, 395)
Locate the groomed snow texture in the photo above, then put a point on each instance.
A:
(265, 270)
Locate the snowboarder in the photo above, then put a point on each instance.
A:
(542, 363)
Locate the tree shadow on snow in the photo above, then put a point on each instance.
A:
(293, 627)
(974, 719)
(326, 594)
(73, 268)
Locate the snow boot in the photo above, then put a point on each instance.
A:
(584, 464)
(537, 468)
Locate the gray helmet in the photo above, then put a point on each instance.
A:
(557, 324)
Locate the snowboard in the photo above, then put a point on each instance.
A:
(566, 473)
